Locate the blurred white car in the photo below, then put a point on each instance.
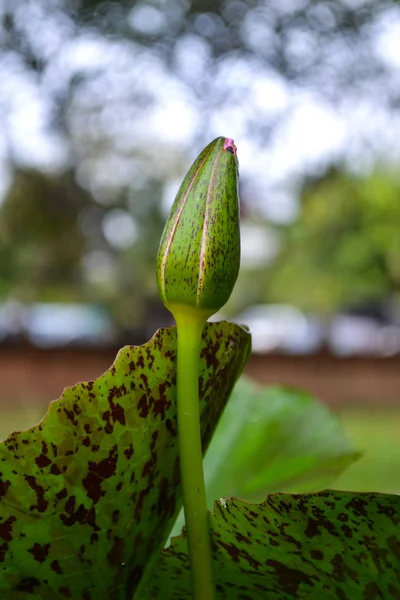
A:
(50, 325)
(280, 327)
(56, 324)
(352, 335)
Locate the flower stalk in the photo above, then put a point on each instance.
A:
(197, 267)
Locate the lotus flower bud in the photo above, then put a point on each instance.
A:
(199, 255)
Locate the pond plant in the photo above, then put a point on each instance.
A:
(89, 496)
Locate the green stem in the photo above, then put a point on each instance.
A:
(190, 326)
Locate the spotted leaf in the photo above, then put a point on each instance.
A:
(89, 494)
(328, 545)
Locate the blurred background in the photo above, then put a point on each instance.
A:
(103, 107)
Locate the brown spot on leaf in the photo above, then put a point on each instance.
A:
(116, 555)
(314, 526)
(209, 354)
(143, 407)
(170, 428)
(98, 472)
(359, 506)
(166, 498)
(238, 553)
(4, 485)
(42, 461)
(150, 357)
(39, 491)
(372, 592)
(145, 380)
(6, 528)
(115, 516)
(62, 494)
(341, 570)
(347, 531)
(162, 404)
(79, 515)
(94, 538)
(55, 566)
(39, 551)
(129, 451)
(109, 427)
(240, 538)
(289, 579)
(28, 584)
(71, 416)
(3, 550)
(147, 468)
(117, 411)
(140, 501)
(394, 546)
(170, 355)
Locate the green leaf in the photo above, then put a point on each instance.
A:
(89, 494)
(329, 545)
(288, 442)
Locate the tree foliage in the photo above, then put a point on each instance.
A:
(40, 240)
(105, 120)
(344, 248)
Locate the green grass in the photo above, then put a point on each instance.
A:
(21, 418)
(374, 431)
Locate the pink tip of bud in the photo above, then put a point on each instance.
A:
(229, 145)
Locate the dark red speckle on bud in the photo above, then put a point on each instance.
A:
(229, 145)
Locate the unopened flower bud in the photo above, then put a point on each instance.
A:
(199, 255)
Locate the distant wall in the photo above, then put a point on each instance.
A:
(337, 381)
(33, 375)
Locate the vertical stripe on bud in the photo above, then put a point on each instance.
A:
(199, 255)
